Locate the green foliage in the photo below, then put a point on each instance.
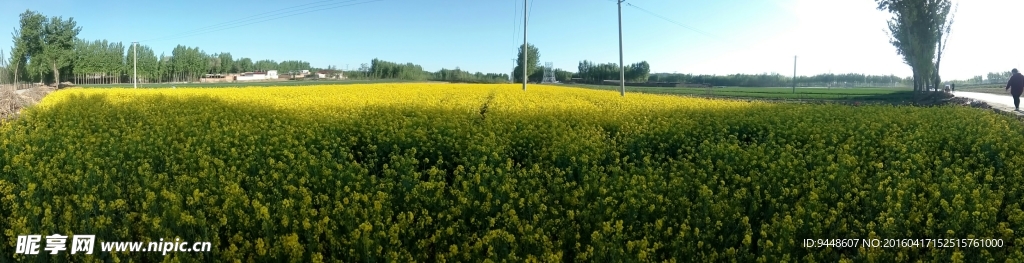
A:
(596, 73)
(264, 65)
(389, 70)
(537, 75)
(188, 64)
(532, 68)
(916, 29)
(147, 63)
(638, 72)
(562, 75)
(997, 76)
(591, 72)
(244, 65)
(458, 76)
(363, 72)
(28, 46)
(779, 80)
(213, 64)
(293, 65)
(100, 56)
(227, 65)
(59, 44)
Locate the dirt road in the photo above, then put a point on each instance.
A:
(1000, 102)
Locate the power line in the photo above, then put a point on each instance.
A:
(674, 22)
(260, 21)
(248, 18)
(531, 10)
(515, 25)
(622, 68)
(526, 49)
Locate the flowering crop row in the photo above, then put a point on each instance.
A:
(445, 172)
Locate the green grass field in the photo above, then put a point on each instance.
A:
(999, 89)
(881, 95)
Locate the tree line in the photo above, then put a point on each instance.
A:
(461, 76)
(779, 80)
(381, 69)
(48, 50)
(591, 72)
(587, 71)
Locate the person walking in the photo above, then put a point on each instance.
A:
(1016, 82)
(952, 87)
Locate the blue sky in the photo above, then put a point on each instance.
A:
(736, 36)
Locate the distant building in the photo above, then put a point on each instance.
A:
(330, 74)
(213, 78)
(258, 75)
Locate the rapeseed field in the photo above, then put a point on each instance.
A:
(470, 173)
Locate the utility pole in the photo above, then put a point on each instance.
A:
(622, 68)
(135, 63)
(526, 51)
(794, 74)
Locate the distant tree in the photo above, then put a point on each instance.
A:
(596, 73)
(915, 30)
(264, 65)
(562, 75)
(293, 65)
(244, 65)
(28, 42)
(943, 38)
(213, 65)
(533, 59)
(58, 44)
(226, 64)
(638, 72)
(101, 57)
(537, 75)
(381, 69)
(147, 63)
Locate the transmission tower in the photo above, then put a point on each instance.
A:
(549, 73)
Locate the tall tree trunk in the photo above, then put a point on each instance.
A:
(917, 83)
(938, 59)
(56, 74)
(16, 75)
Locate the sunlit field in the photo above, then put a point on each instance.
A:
(898, 95)
(463, 172)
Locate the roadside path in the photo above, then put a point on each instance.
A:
(1000, 102)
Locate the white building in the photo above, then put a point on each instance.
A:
(250, 76)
